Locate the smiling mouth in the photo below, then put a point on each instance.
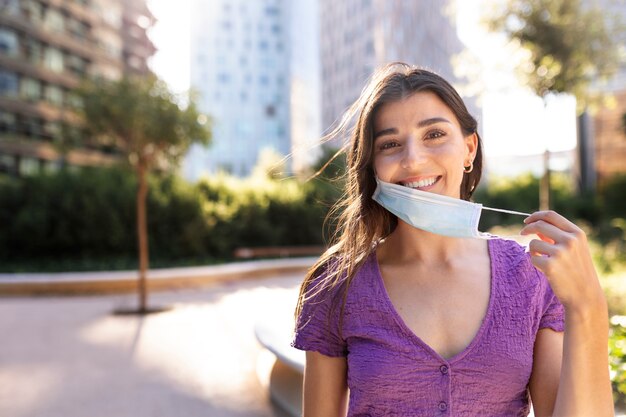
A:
(425, 183)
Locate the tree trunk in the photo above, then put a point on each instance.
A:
(586, 167)
(544, 184)
(142, 234)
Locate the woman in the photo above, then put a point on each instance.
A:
(403, 320)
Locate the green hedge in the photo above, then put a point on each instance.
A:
(617, 360)
(602, 215)
(86, 219)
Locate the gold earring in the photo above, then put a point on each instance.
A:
(470, 168)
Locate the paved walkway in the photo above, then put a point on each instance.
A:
(71, 357)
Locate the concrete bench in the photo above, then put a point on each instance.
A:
(285, 380)
(277, 251)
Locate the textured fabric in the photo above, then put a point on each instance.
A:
(391, 372)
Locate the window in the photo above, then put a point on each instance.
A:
(76, 28)
(113, 16)
(8, 42)
(73, 101)
(7, 122)
(54, 20)
(30, 89)
(272, 11)
(53, 59)
(267, 63)
(34, 11)
(76, 64)
(34, 52)
(110, 48)
(30, 126)
(12, 7)
(54, 95)
(7, 163)
(52, 130)
(8, 83)
(29, 166)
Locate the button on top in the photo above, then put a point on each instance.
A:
(443, 406)
(443, 369)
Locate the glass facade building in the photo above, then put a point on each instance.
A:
(240, 66)
(358, 36)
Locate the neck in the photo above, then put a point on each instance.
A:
(407, 244)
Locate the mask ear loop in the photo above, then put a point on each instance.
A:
(518, 213)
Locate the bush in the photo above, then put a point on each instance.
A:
(617, 357)
(85, 219)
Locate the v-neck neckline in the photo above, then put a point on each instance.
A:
(414, 337)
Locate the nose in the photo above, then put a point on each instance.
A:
(413, 155)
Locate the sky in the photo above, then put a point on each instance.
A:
(514, 121)
(171, 36)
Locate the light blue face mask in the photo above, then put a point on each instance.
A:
(432, 212)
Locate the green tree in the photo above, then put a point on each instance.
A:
(151, 127)
(570, 44)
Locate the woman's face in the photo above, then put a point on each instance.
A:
(418, 143)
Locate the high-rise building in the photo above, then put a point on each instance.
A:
(605, 149)
(357, 36)
(46, 48)
(240, 67)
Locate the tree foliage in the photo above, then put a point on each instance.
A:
(571, 44)
(142, 119)
(149, 125)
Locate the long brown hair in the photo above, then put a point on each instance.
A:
(361, 221)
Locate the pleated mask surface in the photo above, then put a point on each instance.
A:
(432, 212)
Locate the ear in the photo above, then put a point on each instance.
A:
(471, 145)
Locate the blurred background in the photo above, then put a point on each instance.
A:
(153, 134)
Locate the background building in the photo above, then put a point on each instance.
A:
(305, 83)
(357, 36)
(607, 129)
(240, 67)
(46, 48)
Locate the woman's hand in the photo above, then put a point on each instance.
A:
(562, 254)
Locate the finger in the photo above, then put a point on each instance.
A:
(545, 238)
(541, 263)
(544, 230)
(540, 248)
(553, 218)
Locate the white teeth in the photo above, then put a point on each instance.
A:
(421, 184)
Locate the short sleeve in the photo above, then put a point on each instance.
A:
(317, 326)
(553, 316)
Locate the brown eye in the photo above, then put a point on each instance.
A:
(435, 134)
(388, 145)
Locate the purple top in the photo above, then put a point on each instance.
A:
(391, 372)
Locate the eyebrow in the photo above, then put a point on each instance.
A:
(420, 124)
